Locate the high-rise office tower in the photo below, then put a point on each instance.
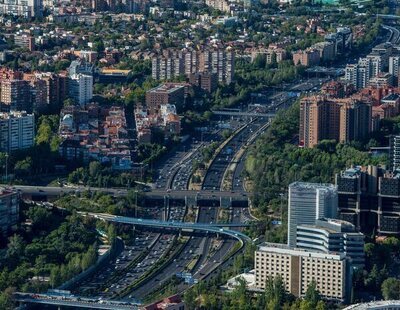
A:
(369, 198)
(309, 202)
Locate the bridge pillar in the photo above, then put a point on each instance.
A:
(166, 207)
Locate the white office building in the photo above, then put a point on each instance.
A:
(332, 235)
(309, 202)
(17, 131)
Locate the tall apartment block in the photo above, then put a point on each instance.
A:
(369, 197)
(394, 152)
(337, 119)
(220, 61)
(332, 235)
(9, 210)
(81, 88)
(15, 95)
(23, 8)
(17, 131)
(359, 74)
(298, 268)
(166, 68)
(394, 64)
(309, 202)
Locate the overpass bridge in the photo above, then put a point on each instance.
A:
(249, 114)
(218, 228)
(185, 197)
(72, 301)
(387, 16)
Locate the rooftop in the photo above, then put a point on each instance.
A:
(281, 248)
(167, 88)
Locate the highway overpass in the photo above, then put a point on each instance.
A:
(217, 228)
(187, 197)
(72, 301)
(240, 114)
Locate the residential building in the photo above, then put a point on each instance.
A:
(221, 5)
(394, 63)
(394, 152)
(17, 131)
(9, 210)
(205, 80)
(326, 50)
(215, 59)
(337, 89)
(23, 8)
(332, 235)
(95, 133)
(167, 68)
(337, 119)
(369, 198)
(382, 80)
(220, 61)
(307, 58)
(309, 202)
(385, 51)
(355, 120)
(270, 54)
(81, 88)
(298, 268)
(15, 95)
(25, 41)
(168, 93)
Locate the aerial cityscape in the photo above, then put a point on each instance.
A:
(187, 155)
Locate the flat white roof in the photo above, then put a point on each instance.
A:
(279, 248)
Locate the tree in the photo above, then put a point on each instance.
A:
(6, 301)
(15, 248)
(40, 217)
(89, 258)
(391, 288)
(312, 294)
(55, 277)
(190, 299)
